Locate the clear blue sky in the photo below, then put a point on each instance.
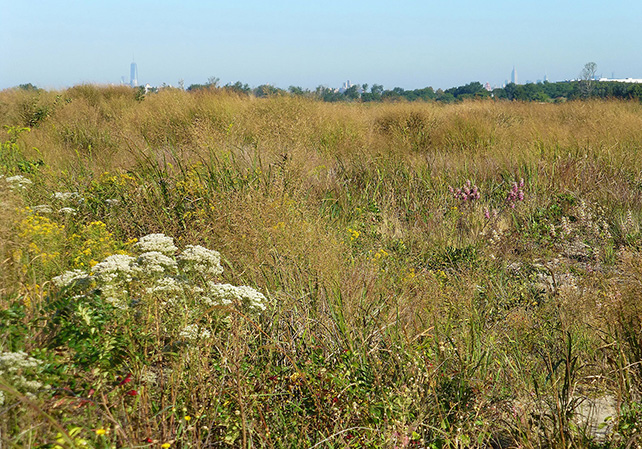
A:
(406, 43)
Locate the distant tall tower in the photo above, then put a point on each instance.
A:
(513, 76)
(133, 75)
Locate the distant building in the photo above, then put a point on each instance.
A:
(487, 87)
(347, 85)
(513, 76)
(133, 78)
(622, 80)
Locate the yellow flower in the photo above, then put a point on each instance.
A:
(187, 418)
(100, 431)
(165, 445)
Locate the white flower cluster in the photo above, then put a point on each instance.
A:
(18, 182)
(114, 268)
(158, 272)
(156, 242)
(14, 367)
(230, 294)
(167, 285)
(42, 209)
(72, 278)
(12, 362)
(155, 262)
(112, 276)
(199, 260)
(66, 196)
(194, 332)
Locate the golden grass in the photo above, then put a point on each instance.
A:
(341, 213)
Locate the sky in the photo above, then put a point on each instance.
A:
(404, 43)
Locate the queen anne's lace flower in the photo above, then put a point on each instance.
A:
(194, 332)
(227, 293)
(15, 366)
(73, 277)
(67, 210)
(155, 262)
(18, 182)
(166, 285)
(114, 296)
(65, 196)
(114, 268)
(148, 376)
(199, 260)
(42, 209)
(12, 362)
(156, 242)
(171, 280)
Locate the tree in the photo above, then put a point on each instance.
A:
(212, 83)
(587, 78)
(352, 92)
(296, 90)
(238, 87)
(266, 90)
(470, 89)
(28, 86)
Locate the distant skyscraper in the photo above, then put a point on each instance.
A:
(513, 76)
(133, 75)
(347, 85)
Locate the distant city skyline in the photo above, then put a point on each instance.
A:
(409, 44)
(133, 81)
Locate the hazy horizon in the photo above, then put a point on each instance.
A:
(411, 44)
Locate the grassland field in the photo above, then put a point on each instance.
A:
(207, 269)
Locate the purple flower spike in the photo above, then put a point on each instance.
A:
(468, 192)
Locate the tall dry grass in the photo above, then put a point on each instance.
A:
(402, 314)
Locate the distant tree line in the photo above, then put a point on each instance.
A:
(540, 92)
